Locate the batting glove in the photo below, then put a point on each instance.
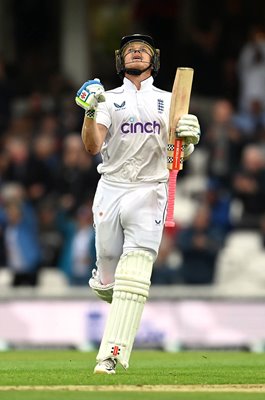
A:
(188, 149)
(188, 128)
(89, 95)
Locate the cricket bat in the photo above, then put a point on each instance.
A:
(179, 105)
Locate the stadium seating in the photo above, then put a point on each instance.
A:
(241, 263)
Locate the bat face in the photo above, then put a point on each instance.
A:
(179, 105)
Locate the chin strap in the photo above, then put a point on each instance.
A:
(132, 71)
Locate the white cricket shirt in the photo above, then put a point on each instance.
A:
(137, 120)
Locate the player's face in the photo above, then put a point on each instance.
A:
(137, 55)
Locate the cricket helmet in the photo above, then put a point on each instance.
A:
(137, 37)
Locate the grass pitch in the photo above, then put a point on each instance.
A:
(68, 375)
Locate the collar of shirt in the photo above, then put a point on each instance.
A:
(145, 85)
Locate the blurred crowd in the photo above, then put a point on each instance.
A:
(48, 180)
(47, 183)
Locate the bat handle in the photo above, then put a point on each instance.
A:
(171, 198)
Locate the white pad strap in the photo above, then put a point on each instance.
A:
(104, 292)
(131, 289)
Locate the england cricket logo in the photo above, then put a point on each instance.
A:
(160, 105)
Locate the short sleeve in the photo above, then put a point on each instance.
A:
(103, 115)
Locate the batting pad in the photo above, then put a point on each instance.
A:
(104, 292)
(131, 289)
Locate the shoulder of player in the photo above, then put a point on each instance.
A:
(159, 89)
(115, 91)
(163, 92)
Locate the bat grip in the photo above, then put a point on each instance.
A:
(171, 198)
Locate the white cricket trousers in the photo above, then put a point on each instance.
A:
(127, 217)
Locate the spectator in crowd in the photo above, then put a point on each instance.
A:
(50, 125)
(76, 176)
(77, 257)
(250, 117)
(25, 169)
(251, 123)
(45, 149)
(22, 247)
(14, 193)
(199, 245)
(50, 237)
(223, 142)
(251, 70)
(249, 186)
(219, 201)
(38, 106)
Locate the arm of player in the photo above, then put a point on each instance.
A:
(93, 135)
(188, 128)
(88, 96)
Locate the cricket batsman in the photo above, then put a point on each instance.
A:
(128, 125)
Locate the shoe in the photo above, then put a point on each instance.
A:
(106, 367)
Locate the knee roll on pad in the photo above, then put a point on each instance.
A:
(133, 273)
(131, 289)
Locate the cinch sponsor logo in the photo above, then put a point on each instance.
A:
(139, 127)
